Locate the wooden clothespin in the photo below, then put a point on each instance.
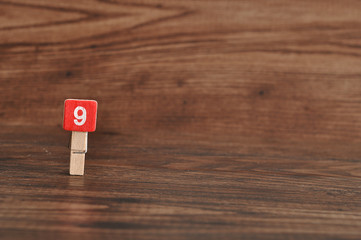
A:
(80, 117)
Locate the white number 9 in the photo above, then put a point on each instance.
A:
(81, 118)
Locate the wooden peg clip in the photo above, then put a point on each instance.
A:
(80, 118)
(78, 148)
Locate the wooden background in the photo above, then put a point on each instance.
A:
(217, 119)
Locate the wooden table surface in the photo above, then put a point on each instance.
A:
(217, 119)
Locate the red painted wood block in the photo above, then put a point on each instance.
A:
(80, 115)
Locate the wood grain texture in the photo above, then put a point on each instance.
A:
(217, 119)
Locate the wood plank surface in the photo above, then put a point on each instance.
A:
(217, 119)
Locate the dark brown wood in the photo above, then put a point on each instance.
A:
(217, 119)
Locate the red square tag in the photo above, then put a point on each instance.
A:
(80, 115)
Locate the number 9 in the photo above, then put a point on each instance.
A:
(82, 118)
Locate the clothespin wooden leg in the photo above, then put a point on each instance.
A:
(79, 146)
(77, 162)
